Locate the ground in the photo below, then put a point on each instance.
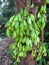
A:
(4, 57)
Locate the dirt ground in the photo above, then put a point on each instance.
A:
(4, 45)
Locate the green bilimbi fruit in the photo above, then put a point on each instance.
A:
(29, 21)
(21, 11)
(39, 14)
(8, 32)
(43, 9)
(14, 34)
(10, 21)
(43, 23)
(25, 12)
(19, 17)
(16, 18)
(24, 29)
(32, 17)
(16, 25)
(32, 6)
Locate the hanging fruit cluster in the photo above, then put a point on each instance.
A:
(25, 30)
(41, 17)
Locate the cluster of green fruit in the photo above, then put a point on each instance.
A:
(41, 17)
(25, 30)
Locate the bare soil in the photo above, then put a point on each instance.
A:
(4, 57)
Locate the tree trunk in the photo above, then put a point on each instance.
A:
(42, 36)
(29, 60)
(28, 2)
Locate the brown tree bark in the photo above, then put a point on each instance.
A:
(28, 2)
(42, 36)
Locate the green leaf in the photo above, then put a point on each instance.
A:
(38, 58)
(40, 62)
(44, 60)
(10, 52)
(15, 63)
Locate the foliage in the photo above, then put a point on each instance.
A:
(25, 30)
(46, 38)
(47, 33)
(43, 60)
(47, 48)
(6, 11)
(47, 1)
